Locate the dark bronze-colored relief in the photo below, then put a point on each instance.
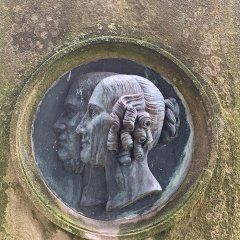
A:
(113, 133)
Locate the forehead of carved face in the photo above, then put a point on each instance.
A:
(98, 98)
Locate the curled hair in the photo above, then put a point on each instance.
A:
(112, 141)
(140, 135)
(137, 111)
(126, 139)
(149, 137)
(144, 120)
(138, 151)
(131, 103)
(129, 118)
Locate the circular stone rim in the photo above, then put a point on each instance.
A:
(29, 174)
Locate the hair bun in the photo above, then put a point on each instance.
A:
(171, 121)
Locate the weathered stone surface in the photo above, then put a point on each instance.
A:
(202, 34)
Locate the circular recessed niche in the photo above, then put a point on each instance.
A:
(56, 143)
(82, 194)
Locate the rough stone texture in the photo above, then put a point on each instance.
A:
(202, 34)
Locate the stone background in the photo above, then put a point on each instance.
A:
(202, 34)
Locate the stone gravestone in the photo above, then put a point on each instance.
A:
(119, 120)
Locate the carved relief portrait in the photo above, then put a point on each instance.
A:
(117, 137)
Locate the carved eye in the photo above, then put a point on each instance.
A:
(93, 111)
(70, 113)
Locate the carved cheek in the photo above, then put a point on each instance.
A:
(97, 122)
(91, 126)
(100, 124)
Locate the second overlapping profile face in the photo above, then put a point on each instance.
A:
(68, 142)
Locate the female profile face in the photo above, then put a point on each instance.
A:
(94, 128)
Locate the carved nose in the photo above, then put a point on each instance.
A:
(59, 127)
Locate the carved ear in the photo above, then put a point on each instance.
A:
(171, 121)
